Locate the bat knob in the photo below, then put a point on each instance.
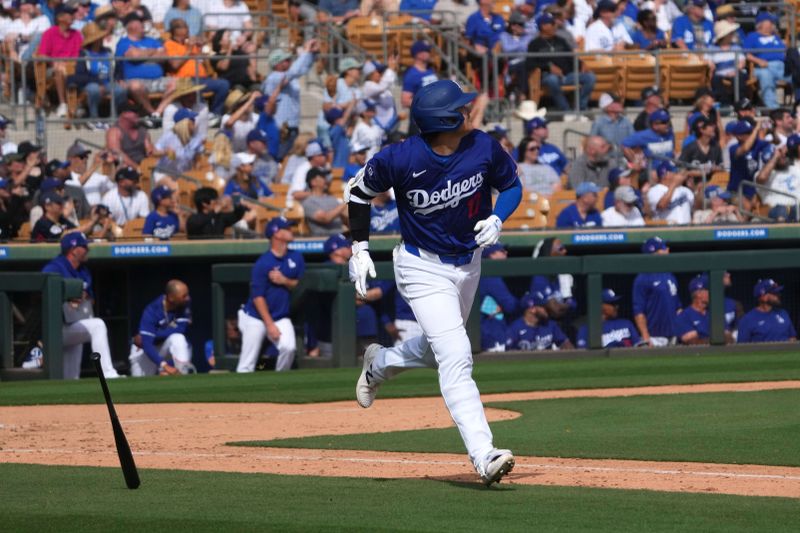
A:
(95, 356)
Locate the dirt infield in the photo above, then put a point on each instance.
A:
(193, 436)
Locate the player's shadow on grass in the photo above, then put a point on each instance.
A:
(467, 481)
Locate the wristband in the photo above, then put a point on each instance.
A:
(360, 246)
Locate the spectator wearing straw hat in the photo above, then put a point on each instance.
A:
(583, 212)
(285, 74)
(180, 146)
(61, 41)
(185, 97)
(162, 222)
(241, 117)
(769, 65)
(727, 65)
(93, 74)
(612, 124)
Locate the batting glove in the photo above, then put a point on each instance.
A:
(488, 231)
(360, 265)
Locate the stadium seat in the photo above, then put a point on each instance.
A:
(639, 72)
(682, 76)
(558, 201)
(609, 75)
(132, 230)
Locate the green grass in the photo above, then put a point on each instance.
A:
(753, 427)
(338, 384)
(58, 499)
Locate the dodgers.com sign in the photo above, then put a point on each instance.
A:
(305, 247)
(140, 250)
(600, 238)
(741, 234)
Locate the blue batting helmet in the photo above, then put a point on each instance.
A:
(436, 106)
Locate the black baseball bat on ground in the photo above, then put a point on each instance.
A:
(123, 449)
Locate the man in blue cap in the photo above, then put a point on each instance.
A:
(549, 154)
(658, 140)
(617, 332)
(80, 325)
(498, 304)
(769, 64)
(693, 325)
(766, 322)
(746, 157)
(534, 331)
(162, 222)
(417, 76)
(338, 118)
(669, 199)
(720, 210)
(655, 300)
(583, 213)
(782, 175)
(264, 167)
(266, 314)
(51, 226)
(687, 28)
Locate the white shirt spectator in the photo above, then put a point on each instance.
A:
(36, 25)
(240, 130)
(94, 188)
(665, 15)
(298, 179)
(200, 122)
(381, 93)
(367, 135)
(8, 147)
(679, 210)
(158, 8)
(539, 178)
(787, 181)
(583, 14)
(601, 37)
(233, 17)
(614, 219)
(126, 208)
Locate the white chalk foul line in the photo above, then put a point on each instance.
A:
(319, 458)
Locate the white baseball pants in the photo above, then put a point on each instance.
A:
(75, 335)
(174, 347)
(253, 333)
(441, 297)
(407, 329)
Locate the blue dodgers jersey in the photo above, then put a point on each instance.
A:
(440, 199)
(570, 217)
(496, 289)
(617, 333)
(652, 143)
(542, 336)
(157, 324)
(656, 296)
(772, 326)
(161, 226)
(290, 265)
(683, 28)
(549, 154)
(730, 314)
(692, 320)
(745, 167)
(493, 333)
(60, 265)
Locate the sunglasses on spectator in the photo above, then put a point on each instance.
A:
(533, 147)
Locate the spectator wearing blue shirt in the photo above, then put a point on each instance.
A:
(583, 213)
(746, 157)
(162, 222)
(338, 11)
(693, 325)
(358, 155)
(80, 324)
(534, 331)
(769, 65)
(612, 124)
(515, 40)
(141, 75)
(648, 36)
(383, 216)
(655, 300)
(265, 106)
(266, 315)
(417, 76)
(243, 182)
(497, 304)
(687, 28)
(549, 154)
(161, 347)
(484, 27)
(767, 322)
(418, 8)
(340, 134)
(658, 140)
(617, 332)
(264, 167)
(728, 65)
(182, 9)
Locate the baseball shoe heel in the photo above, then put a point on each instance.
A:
(367, 387)
(498, 464)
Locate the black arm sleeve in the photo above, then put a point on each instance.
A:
(359, 221)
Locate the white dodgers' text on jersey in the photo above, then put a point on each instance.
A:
(439, 199)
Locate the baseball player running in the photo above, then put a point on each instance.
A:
(442, 180)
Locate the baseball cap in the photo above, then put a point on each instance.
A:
(605, 6)
(127, 173)
(367, 105)
(26, 147)
(4, 121)
(242, 158)
(335, 242)
(358, 146)
(333, 114)
(664, 167)
(714, 191)
(647, 92)
(159, 193)
(616, 173)
(743, 104)
(535, 123)
(765, 286)
(132, 16)
(698, 3)
(372, 66)
(51, 197)
(489, 250)
(276, 224)
(697, 283)
(610, 297)
(626, 194)
(314, 148)
(659, 115)
(77, 149)
(257, 135)
(698, 121)
(4, 183)
(65, 8)
(654, 244)
(793, 141)
(278, 56)
(260, 102)
(765, 15)
(73, 240)
(53, 165)
(533, 299)
(184, 113)
(517, 17)
(585, 188)
(740, 127)
(420, 46)
(546, 18)
(48, 184)
(606, 100)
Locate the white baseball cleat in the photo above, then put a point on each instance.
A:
(367, 387)
(497, 464)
